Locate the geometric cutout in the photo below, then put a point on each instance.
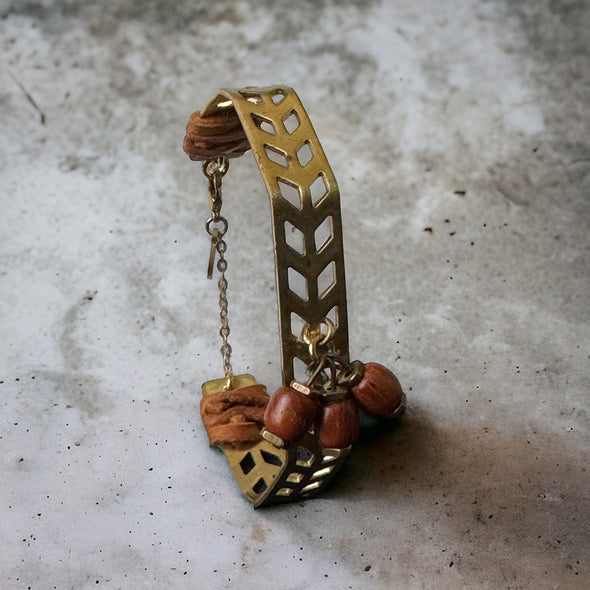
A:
(311, 486)
(278, 97)
(271, 458)
(285, 492)
(304, 457)
(247, 463)
(298, 283)
(332, 315)
(289, 192)
(326, 279)
(322, 472)
(323, 233)
(291, 122)
(259, 486)
(297, 323)
(318, 189)
(264, 124)
(299, 370)
(251, 97)
(304, 154)
(294, 238)
(275, 155)
(295, 477)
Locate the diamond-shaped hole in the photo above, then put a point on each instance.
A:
(297, 323)
(285, 492)
(295, 477)
(299, 370)
(289, 192)
(265, 125)
(304, 457)
(224, 104)
(252, 97)
(323, 233)
(294, 238)
(304, 154)
(318, 189)
(333, 315)
(322, 472)
(271, 458)
(312, 486)
(259, 486)
(326, 279)
(275, 155)
(291, 122)
(247, 463)
(278, 97)
(297, 283)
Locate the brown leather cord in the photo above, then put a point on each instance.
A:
(234, 418)
(218, 134)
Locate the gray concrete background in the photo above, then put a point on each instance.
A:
(458, 133)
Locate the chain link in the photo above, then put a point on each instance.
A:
(224, 330)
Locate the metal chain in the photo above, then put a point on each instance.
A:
(224, 330)
(216, 226)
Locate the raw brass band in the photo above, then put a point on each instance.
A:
(305, 205)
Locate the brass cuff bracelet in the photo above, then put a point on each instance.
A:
(288, 446)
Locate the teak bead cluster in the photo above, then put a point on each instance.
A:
(290, 413)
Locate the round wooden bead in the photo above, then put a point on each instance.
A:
(289, 414)
(339, 424)
(379, 393)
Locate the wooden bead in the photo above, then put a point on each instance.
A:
(339, 424)
(289, 414)
(379, 393)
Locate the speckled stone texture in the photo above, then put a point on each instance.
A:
(458, 132)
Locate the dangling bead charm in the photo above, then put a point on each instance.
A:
(339, 424)
(379, 393)
(289, 414)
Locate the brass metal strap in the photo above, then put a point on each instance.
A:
(305, 207)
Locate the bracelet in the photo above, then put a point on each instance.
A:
(287, 447)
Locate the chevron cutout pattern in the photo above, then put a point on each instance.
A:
(305, 206)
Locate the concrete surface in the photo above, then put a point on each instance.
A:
(459, 134)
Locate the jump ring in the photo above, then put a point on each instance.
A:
(211, 221)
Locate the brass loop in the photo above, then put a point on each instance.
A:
(308, 335)
(312, 339)
(215, 201)
(351, 374)
(316, 338)
(228, 385)
(214, 166)
(330, 329)
(214, 169)
(211, 229)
